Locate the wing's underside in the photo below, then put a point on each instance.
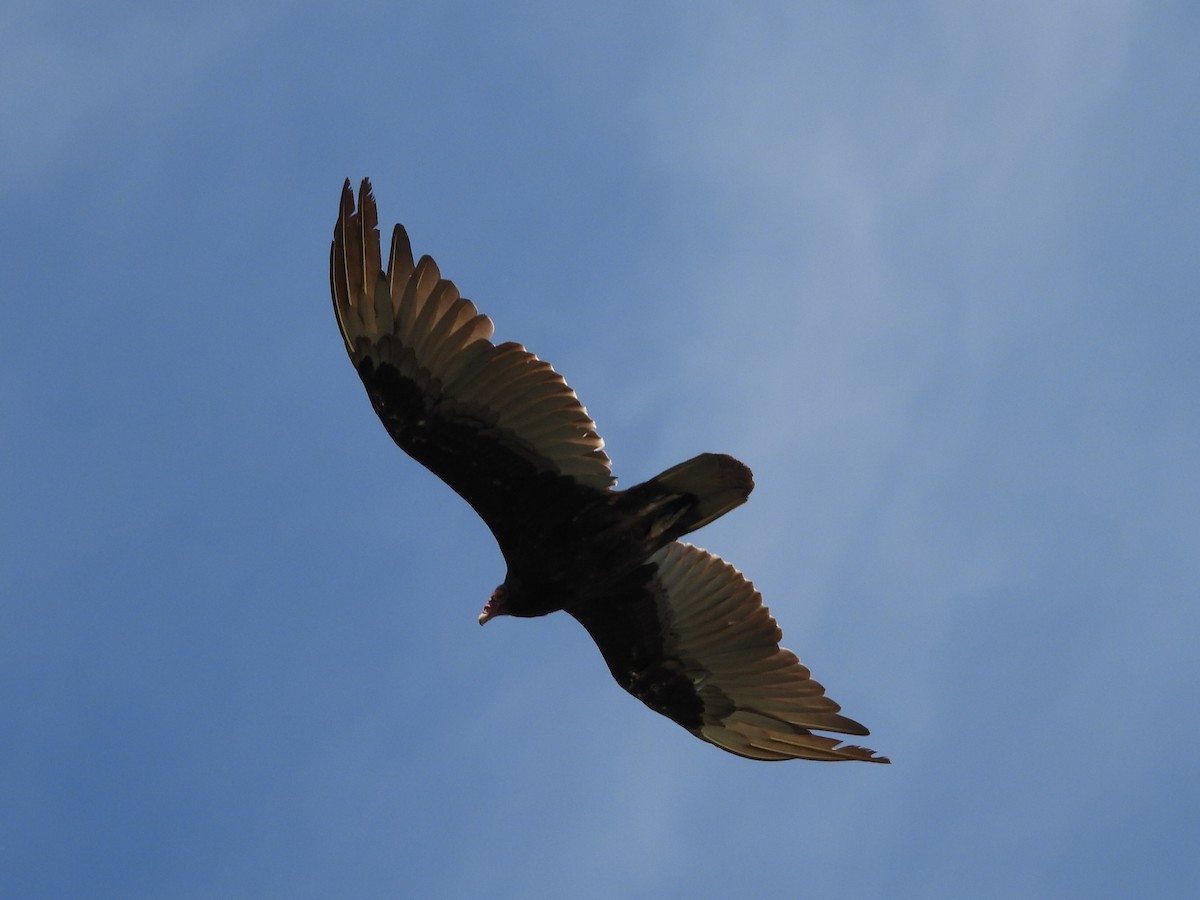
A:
(710, 659)
(473, 412)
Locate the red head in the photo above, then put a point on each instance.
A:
(497, 605)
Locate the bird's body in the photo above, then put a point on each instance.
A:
(679, 628)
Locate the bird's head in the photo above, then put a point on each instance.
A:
(497, 605)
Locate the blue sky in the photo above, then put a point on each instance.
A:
(931, 272)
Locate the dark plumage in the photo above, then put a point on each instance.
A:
(680, 629)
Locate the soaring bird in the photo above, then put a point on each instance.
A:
(680, 628)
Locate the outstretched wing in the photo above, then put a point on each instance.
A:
(496, 423)
(689, 636)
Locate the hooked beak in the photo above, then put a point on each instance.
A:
(496, 605)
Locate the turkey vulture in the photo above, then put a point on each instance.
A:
(679, 628)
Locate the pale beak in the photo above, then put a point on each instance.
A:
(486, 614)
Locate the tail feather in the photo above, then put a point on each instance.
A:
(690, 495)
